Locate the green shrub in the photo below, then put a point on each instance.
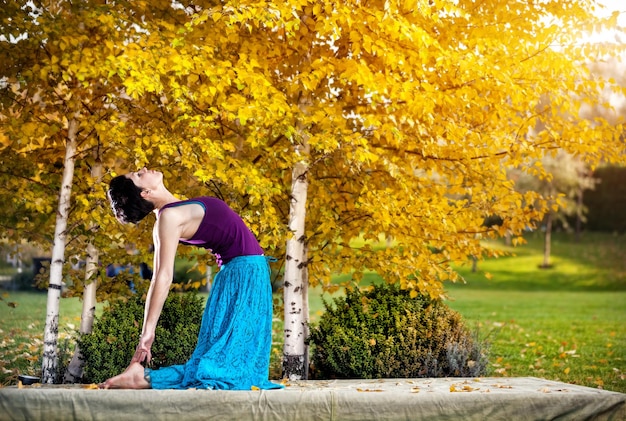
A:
(108, 349)
(23, 281)
(384, 333)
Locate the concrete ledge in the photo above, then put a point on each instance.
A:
(389, 399)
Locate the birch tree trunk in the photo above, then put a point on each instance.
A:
(296, 280)
(547, 242)
(51, 332)
(74, 372)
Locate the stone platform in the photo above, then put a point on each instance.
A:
(492, 399)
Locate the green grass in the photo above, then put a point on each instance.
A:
(22, 323)
(597, 262)
(567, 323)
(574, 337)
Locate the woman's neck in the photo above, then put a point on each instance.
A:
(163, 198)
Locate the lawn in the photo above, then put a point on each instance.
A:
(567, 323)
(22, 323)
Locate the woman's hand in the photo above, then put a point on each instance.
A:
(142, 353)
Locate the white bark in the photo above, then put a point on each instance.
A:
(296, 281)
(51, 332)
(74, 372)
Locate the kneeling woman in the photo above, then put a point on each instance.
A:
(233, 348)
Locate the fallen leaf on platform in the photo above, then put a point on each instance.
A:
(369, 390)
(90, 386)
(415, 389)
(466, 388)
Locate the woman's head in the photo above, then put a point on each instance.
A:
(126, 200)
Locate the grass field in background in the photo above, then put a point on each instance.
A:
(22, 323)
(567, 323)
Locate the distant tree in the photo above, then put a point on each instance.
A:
(560, 182)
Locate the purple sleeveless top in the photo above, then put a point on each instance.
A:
(222, 231)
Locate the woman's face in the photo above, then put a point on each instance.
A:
(146, 179)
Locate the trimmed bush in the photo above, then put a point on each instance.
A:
(108, 349)
(384, 333)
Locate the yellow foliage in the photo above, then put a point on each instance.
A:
(407, 115)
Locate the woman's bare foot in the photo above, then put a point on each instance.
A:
(131, 378)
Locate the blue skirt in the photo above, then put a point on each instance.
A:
(234, 343)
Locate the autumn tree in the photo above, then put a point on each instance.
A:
(320, 123)
(374, 119)
(55, 111)
(64, 116)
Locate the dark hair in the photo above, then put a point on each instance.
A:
(126, 200)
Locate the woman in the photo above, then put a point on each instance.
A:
(233, 348)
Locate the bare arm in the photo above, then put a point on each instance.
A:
(166, 234)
